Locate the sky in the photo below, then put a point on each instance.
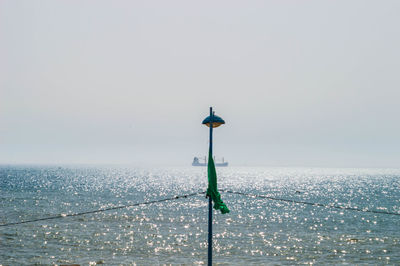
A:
(299, 83)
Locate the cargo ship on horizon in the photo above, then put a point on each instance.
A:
(203, 162)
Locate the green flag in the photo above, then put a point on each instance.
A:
(212, 190)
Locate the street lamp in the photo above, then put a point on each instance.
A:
(212, 121)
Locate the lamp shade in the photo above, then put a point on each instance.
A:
(216, 121)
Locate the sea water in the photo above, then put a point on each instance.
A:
(257, 231)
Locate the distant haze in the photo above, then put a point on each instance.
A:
(299, 83)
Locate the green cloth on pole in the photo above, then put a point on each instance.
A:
(212, 190)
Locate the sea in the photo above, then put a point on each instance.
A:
(284, 216)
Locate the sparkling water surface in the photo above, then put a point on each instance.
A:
(256, 232)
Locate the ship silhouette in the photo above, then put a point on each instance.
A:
(197, 161)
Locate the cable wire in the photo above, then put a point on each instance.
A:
(194, 194)
(310, 203)
(102, 210)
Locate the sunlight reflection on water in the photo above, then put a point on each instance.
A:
(257, 231)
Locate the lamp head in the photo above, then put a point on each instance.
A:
(216, 121)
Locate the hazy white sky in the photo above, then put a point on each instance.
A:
(299, 83)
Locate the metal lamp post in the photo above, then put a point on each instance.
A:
(211, 121)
